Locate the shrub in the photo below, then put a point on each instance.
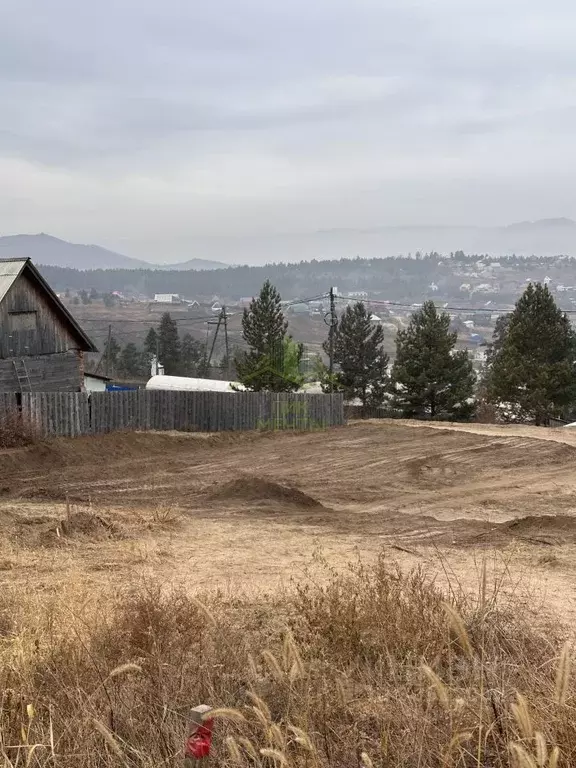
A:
(15, 430)
(367, 668)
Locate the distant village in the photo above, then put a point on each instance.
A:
(474, 291)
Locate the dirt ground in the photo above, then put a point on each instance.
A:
(254, 511)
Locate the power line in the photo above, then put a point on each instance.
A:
(484, 310)
(144, 321)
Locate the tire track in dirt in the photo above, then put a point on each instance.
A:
(425, 483)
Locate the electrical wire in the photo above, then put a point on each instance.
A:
(382, 302)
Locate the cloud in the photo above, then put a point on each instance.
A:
(253, 112)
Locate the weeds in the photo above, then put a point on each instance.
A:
(371, 668)
(16, 431)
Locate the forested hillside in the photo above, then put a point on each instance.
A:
(401, 278)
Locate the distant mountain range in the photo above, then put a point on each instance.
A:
(48, 250)
(545, 237)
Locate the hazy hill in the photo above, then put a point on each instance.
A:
(51, 251)
(546, 237)
(193, 264)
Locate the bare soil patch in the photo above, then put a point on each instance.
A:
(250, 510)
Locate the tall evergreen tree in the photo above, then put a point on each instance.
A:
(150, 342)
(532, 372)
(110, 356)
(429, 378)
(130, 362)
(498, 338)
(360, 357)
(191, 354)
(148, 352)
(169, 345)
(264, 329)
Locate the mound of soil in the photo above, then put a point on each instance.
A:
(557, 528)
(257, 490)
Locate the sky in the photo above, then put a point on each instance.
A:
(143, 125)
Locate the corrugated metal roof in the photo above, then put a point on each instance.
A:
(9, 271)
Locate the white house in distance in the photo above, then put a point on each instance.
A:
(167, 298)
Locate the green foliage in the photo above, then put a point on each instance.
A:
(498, 337)
(403, 278)
(169, 345)
(360, 358)
(109, 300)
(272, 362)
(532, 365)
(263, 323)
(130, 362)
(191, 355)
(429, 378)
(150, 342)
(110, 355)
(291, 358)
(111, 350)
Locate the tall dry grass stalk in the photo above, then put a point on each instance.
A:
(371, 668)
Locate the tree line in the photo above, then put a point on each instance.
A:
(530, 373)
(179, 356)
(428, 379)
(530, 368)
(403, 277)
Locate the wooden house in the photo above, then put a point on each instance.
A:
(41, 345)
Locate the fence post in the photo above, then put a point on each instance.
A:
(199, 737)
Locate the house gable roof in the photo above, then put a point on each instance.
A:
(10, 271)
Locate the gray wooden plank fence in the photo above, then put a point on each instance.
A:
(66, 414)
(71, 414)
(8, 405)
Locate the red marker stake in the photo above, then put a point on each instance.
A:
(199, 739)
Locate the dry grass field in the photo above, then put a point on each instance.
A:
(386, 594)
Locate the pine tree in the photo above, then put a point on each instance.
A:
(149, 351)
(532, 370)
(498, 338)
(169, 345)
(429, 378)
(191, 354)
(269, 363)
(359, 354)
(110, 356)
(130, 362)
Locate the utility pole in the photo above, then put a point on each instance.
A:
(226, 345)
(157, 354)
(221, 319)
(108, 343)
(333, 321)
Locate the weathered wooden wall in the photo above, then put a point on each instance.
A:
(48, 336)
(47, 373)
(72, 414)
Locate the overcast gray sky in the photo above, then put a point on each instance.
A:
(141, 124)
